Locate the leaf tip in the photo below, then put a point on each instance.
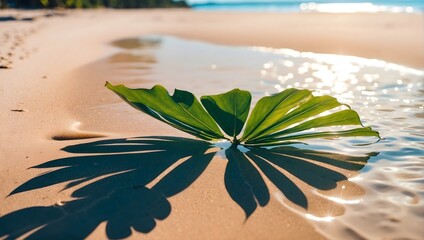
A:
(108, 85)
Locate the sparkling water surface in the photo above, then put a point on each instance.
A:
(387, 96)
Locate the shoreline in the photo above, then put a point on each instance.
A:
(392, 37)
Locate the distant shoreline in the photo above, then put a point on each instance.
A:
(308, 6)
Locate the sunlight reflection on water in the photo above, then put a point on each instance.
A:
(389, 97)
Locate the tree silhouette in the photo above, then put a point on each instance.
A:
(92, 3)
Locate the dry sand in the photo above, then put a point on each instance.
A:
(53, 84)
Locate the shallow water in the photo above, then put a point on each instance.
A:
(388, 97)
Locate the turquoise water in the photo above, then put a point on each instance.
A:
(316, 5)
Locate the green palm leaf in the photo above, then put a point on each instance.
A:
(274, 119)
(288, 116)
(266, 116)
(229, 110)
(277, 141)
(182, 110)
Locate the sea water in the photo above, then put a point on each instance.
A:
(336, 6)
(389, 97)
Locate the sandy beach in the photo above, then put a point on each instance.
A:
(55, 110)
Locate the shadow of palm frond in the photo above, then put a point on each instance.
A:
(112, 178)
(120, 197)
(246, 186)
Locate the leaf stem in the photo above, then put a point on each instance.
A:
(235, 142)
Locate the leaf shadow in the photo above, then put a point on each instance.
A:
(113, 179)
(120, 196)
(247, 188)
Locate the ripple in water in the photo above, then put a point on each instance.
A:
(389, 97)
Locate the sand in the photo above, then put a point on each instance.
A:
(52, 83)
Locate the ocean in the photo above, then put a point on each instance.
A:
(335, 6)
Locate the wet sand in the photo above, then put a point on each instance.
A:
(48, 97)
